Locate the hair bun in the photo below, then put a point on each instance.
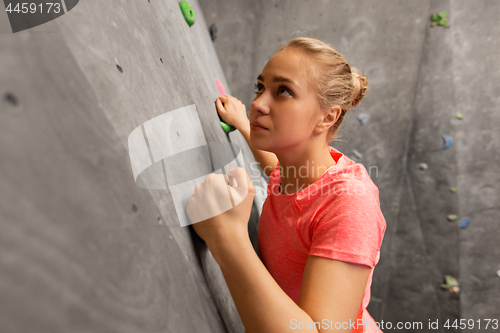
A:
(360, 83)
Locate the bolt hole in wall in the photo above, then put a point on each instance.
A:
(11, 99)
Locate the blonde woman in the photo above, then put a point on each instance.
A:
(321, 226)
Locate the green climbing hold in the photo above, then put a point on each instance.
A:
(451, 284)
(460, 116)
(227, 128)
(187, 10)
(453, 190)
(375, 299)
(440, 19)
(452, 217)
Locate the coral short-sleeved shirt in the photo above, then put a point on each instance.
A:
(336, 217)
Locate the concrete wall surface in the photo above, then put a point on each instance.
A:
(82, 247)
(420, 77)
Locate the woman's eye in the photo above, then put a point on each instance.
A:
(283, 89)
(258, 87)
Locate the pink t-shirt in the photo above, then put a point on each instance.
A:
(337, 217)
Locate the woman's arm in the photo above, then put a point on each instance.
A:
(233, 112)
(331, 291)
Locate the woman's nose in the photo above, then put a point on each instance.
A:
(260, 104)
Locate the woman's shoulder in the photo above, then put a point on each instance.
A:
(349, 174)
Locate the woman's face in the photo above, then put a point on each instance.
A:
(285, 103)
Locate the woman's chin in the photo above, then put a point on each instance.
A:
(258, 144)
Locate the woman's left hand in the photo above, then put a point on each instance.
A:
(220, 212)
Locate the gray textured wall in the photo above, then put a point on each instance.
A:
(82, 247)
(420, 77)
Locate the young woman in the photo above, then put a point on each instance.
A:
(321, 226)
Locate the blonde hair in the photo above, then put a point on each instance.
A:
(336, 82)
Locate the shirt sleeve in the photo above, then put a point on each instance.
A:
(349, 225)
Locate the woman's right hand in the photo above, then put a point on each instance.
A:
(232, 111)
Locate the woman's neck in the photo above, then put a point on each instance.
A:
(302, 167)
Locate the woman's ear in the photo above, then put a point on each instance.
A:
(334, 114)
(330, 118)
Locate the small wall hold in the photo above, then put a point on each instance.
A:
(213, 31)
(453, 190)
(187, 11)
(226, 127)
(498, 273)
(448, 141)
(134, 208)
(357, 153)
(120, 69)
(362, 118)
(440, 19)
(423, 166)
(460, 116)
(220, 87)
(464, 222)
(375, 299)
(452, 217)
(451, 284)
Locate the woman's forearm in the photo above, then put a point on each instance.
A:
(267, 160)
(262, 304)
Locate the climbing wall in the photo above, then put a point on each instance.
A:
(476, 92)
(427, 133)
(83, 247)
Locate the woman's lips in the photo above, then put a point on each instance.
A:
(257, 128)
